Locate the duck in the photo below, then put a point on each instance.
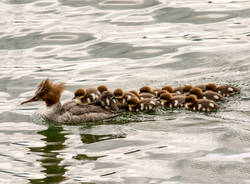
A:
(145, 105)
(168, 100)
(69, 112)
(204, 105)
(211, 95)
(86, 96)
(225, 90)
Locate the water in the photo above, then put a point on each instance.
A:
(126, 44)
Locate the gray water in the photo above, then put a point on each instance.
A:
(127, 44)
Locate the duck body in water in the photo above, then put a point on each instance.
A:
(69, 112)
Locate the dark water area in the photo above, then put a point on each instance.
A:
(126, 44)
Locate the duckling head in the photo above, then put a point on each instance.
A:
(79, 94)
(191, 99)
(135, 93)
(102, 88)
(211, 87)
(170, 89)
(196, 91)
(187, 88)
(165, 97)
(119, 93)
(145, 89)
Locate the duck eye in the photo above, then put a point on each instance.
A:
(41, 94)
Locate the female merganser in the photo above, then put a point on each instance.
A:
(192, 103)
(168, 100)
(146, 105)
(69, 112)
(224, 90)
(87, 96)
(210, 95)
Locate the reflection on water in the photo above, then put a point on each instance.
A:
(50, 161)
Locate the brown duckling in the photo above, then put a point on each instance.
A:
(146, 105)
(102, 88)
(86, 96)
(108, 101)
(205, 105)
(122, 97)
(168, 100)
(224, 90)
(210, 95)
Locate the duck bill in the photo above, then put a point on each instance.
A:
(30, 100)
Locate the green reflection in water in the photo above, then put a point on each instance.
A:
(54, 140)
(91, 138)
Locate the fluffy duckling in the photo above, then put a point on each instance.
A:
(192, 103)
(183, 89)
(108, 101)
(170, 89)
(224, 90)
(134, 92)
(86, 96)
(146, 105)
(102, 88)
(122, 97)
(146, 89)
(143, 96)
(210, 95)
(168, 100)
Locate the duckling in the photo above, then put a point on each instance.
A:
(168, 100)
(134, 92)
(86, 96)
(170, 89)
(146, 89)
(192, 103)
(203, 87)
(156, 91)
(146, 95)
(224, 90)
(108, 101)
(146, 105)
(102, 88)
(122, 97)
(210, 95)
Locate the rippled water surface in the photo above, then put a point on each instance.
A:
(127, 44)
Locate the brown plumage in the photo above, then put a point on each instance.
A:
(145, 89)
(170, 89)
(211, 95)
(192, 103)
(87, 96)
(102, 88)
(48, 92)
(145, 105)
(134, 92)
(168, 100)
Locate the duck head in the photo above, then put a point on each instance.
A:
(48, 92)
